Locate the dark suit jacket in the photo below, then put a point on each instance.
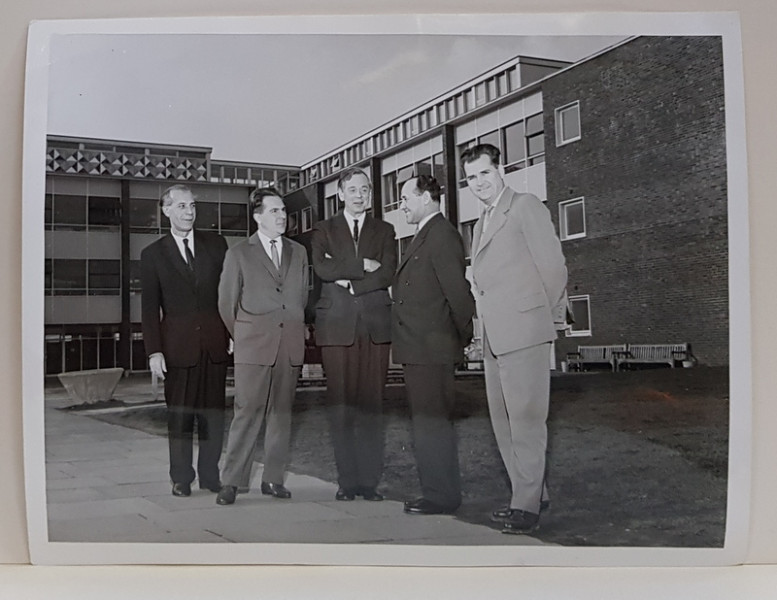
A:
(334, 257)
(180, 314)
(261, 307)
(433, 305)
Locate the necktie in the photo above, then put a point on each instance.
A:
(487, 217)
(355, 231)
(189, 255)
(276, 260)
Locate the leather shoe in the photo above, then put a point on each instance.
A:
(521, 521)
(227, 495)
(182, 489)
(276, 490)
(345, 494)
(422, 506)
(502, 514)
(213, 487)
(370, 494)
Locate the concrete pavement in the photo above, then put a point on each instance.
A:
(108, 483)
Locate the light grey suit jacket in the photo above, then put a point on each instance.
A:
(259, 306)
(519, 273)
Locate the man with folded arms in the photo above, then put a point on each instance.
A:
(262, 297)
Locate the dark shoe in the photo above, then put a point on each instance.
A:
(227, 495)
(345, 494)
(370, 494)
(276, 490)
(182, 489)
(502, 514)
(521, 521)
(422, 506)
(213, 487)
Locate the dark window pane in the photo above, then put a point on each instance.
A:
(47, 278)
(575, 223)
(580, 312)
(69, 210)
(390, 191)
(207, 215)
(439, 170)
(144, 213)
(104, 212)
(234, 218)
(104, 276)
(88, 353)
(73, 354)
(48, 209)
(135, 285)
(536, 144)
(69, 274)
(534, 124)
(467, 229)
(107, 352)
(424, 167)
(515, 145)
(570, 123)
(490, 138)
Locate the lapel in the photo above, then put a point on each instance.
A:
(286, 255)
(419, 239)
(173, 255)
(266, 261)
(498, 220)
(343, 233)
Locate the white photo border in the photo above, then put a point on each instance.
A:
(726, 25)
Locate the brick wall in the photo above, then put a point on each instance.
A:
(651, 166)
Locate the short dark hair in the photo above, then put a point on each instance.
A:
(257, 198)
(346, 175)
(427, 183)
(165, 198)
(473, 153)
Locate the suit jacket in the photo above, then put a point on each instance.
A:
(335, 257)
(433, 305)
(261, 307)
(180, 316)
(519, 274)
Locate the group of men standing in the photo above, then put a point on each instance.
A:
(202, 301)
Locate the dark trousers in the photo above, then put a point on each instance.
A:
(356, 377)
(195, 395)
(431, 395)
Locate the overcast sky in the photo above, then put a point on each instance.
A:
(283, 99)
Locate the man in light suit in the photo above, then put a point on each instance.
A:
(431, 325)
(355, 256)
(185, 339)
(520, 276)
(262, 297)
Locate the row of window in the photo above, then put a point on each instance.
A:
(91, 277)
(394, 180)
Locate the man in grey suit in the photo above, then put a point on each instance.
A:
(262, 296)
(520, 276)
(431, 325)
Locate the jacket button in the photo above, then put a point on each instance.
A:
(283, 307)
(407, 283)
(401, 301)
(197, 328)
(482, 293)
(280, 325)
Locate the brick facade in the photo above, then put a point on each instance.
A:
(651, 165)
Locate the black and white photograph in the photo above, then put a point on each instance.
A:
(406, 290)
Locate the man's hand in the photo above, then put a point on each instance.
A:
(343, 283)
(231, 347)
(156, 363)
(371, 265)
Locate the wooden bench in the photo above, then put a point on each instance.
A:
(594, 355)
(653, 354)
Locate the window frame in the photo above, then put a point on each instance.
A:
(558, 118)
(564, 234)
(572, 332)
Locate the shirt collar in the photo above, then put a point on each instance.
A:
(426, 219)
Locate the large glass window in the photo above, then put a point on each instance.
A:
(567, 123)
(535, 139)
(234, 219)
(390, 196)
(104, 213)
(104, 277)
(580, 306)
(490, 138)
(69, 212)
(571, 214)
(515, 144)
(135, 283)
(144, 215)
(207, 216)
(68, 276)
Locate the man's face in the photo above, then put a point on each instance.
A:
(413, 204)
(181, 211)
(356, 194)
(272, 219)
(484, 179)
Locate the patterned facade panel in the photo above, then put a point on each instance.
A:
(118, 164)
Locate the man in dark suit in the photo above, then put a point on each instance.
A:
(355, 256)
(520, 278)
(185, 339)
(262, 297)
(431, 325)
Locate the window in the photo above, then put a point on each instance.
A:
(330, 206)
(490, 138)
(307, 219)
(144, 215)
(515, 146)
(467, 229)
(535, 139)
(104, 213)
(207, 216)
(135, 276)
(234, 219)
(69, 212)
(390, 196)
(567, 124)
(68, 277)
(571, 216)
(580, 307)
(104, 277)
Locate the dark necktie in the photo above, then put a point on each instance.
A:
(189, 255)
(276, 260)
(355, 231)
